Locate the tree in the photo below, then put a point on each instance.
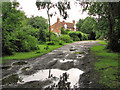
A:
(39, 23)
(47, 4)
(101, 29)
(109, 11)
(88, 27)
(79, 24)
(15, 31)
(11, 21)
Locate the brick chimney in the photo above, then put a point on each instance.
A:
(73, 21)
(58, 20)
(63, 21)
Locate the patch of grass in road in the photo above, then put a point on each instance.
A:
(107, 66)
(79, 53)
(32, 54)
(103, 42)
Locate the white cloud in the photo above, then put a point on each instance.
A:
(29, 7)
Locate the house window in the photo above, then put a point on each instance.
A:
(52, 29)
(74, 28)
(65, 26)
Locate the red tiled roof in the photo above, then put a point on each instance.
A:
(57, 26)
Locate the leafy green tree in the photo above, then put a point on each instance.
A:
(110, 11)
(79, 24)
(11, 21)
(62, 30)
(100, 29)
(88, 25)
(47, 4)
(16, 34)
(39, 23)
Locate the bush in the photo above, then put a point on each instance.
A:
(84, 36)
(76, 38)
(76, 35)
(64, 31)
(50, 43)
(66, 38)
(25, 42)
(61, 42)
(55, 38)
(29, 43)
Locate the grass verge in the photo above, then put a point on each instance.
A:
(32, 54)
(107, 66)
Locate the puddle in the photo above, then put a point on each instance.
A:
(79, 56)
(25, 68)
(64, 60)
(19, 63)
(42, 75)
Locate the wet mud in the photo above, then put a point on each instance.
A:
(74, 59)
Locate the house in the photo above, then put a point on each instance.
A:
(56, 27)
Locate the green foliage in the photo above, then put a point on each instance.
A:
(12, 21)
(100, 29)
(17, 35)
(64, 31)
(25, 42)
(87, 26)
(61, 42)
(54, 38)
(66, 38)
(51, 43)
(40, 27)
(77, 35)
(74, 35)
(111, 18)
(31, 54)
(67, 31)
(84, 36)
(79, 24)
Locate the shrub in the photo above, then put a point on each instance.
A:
(29, 43)
(50, 43)
(76, 35)
(84, 36)
(64, 31)
(61, 42)
(55, 38)
(66, 38)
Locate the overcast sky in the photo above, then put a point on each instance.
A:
(75, 13)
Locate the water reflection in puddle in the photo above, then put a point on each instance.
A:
(42, 75)
(80, 56)
(65, 60)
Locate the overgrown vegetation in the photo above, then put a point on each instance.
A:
(107, 66)
(26, 55)
(22, 35)
(107, 22)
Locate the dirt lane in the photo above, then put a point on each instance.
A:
(72, 56)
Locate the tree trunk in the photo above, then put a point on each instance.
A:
(111, 25)
(49, 24)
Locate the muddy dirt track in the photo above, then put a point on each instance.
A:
(43, 71)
